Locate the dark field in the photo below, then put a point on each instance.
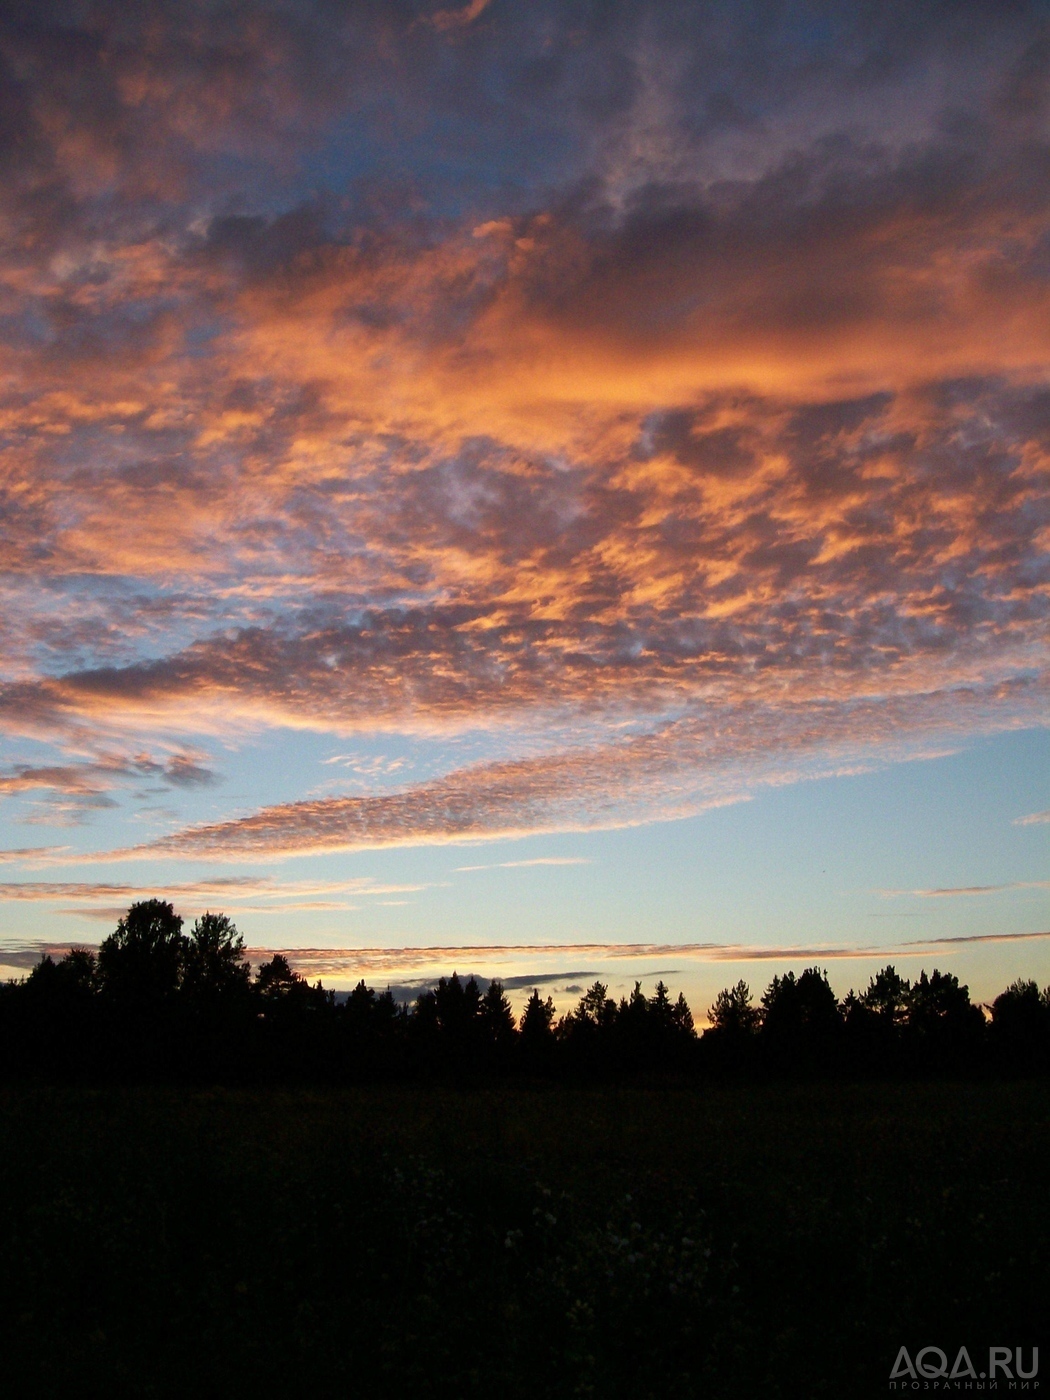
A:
(759, 1241)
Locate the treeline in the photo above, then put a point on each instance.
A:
(157, 1002)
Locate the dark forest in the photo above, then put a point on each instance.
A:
(160, 1003)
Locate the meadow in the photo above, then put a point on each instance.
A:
(642, 1240)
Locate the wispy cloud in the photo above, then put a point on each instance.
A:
(523, 864)
(1032, 819)
(34, 855)
(954, 891)
(982, 938)
(712, 755)
(488, 959)
(239, 894)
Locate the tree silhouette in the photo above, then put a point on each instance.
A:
(801, 1022)
(215, 1000)
(360, 1005)
(537, 1019)
(56, 1016)
(425, 1032)
(733, 1014)
(457, 1005)
(944, 1028)
(295, 1023)
(140, 973)
(536, 1033)
(275, 980)
(75, 976)
(279, 988)
(497, 1025)
(596, 1008)
(729, 1044)
(370, 1026)
(1020, 1029)
(586, 1033)
(661, 1008)
(875, 1022)
(667, 1031)
(496, 1014)
(214, 961)
(158, 1001)
(682, 1018)
(887, 996)
(142, 962)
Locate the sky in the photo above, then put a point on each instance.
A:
(552, 490)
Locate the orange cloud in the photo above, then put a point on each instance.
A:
(716, 755)
(456, 19)
(427, 963)
(720, 417)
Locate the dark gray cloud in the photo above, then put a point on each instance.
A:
(72, 794)
(184, 771)
(982, 938)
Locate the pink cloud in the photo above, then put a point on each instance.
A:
(730, 435)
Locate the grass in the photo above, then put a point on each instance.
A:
(546, 1242)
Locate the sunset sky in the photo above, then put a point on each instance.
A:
(569, 482)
